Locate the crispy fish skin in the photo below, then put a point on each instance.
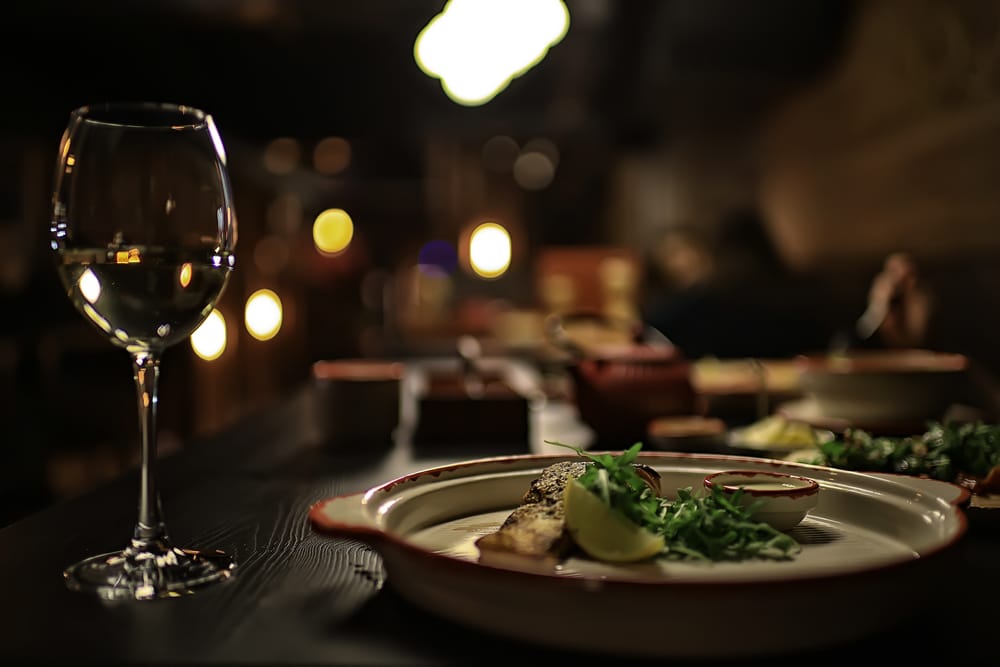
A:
(536, 529)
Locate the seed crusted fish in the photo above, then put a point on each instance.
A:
(536, 529)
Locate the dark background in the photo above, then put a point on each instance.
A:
(636, 78)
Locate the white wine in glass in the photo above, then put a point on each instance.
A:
(143, 230)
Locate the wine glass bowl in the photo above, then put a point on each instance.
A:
(143, 231)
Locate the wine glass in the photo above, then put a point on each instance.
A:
(143, 230)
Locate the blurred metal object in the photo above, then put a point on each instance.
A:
(471, 351)
(760, 373)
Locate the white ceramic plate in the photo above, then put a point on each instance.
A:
(868, 548)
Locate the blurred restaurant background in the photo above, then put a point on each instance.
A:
(560, 156)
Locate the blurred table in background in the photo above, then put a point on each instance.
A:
(740, 391)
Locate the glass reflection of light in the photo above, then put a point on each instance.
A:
(217, 140)
(489, 250)
(209, 340)
(333, 231)
(90, 286)
(130, 256)
(437, 258)
(58, 229)
(184, 278)
(96, 318)
(263, 314)
(476, 47)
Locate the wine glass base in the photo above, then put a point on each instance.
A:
(132, 575)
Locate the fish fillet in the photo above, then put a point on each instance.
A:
(535, 532)
(536, 529)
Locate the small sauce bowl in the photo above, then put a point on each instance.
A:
(783, 500)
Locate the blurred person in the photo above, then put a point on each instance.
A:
(731, 295)
(899, 304)
(684, 257)
(913, 310)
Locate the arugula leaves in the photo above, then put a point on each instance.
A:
(942, 452)
(707, 526)
(717, 526)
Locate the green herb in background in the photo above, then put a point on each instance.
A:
(943, 451)
(712, 526)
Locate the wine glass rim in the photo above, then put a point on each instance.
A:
(155, 115)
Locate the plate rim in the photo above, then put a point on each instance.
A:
(378, 538)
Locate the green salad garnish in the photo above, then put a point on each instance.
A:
(943, 451)
(704, 525)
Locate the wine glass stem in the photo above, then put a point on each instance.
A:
(150, 527)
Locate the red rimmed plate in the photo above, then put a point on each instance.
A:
(870, 546)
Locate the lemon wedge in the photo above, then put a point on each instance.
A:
(604, 533)
(778, 432)
(798, 435)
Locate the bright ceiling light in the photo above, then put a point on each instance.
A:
(476, 47)
(489, 250)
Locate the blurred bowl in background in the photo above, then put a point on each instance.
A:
(884, 385)
(622, 374)
(687, 433)
(619, 390)
(745, 390)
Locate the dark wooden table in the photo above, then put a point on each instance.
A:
(304, 598)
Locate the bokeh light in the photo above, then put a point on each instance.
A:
(209, 340)
(534, 170)
(489, 250)
(332, 155)
(282, 155)
(263, 314)
(476, 47)
(499, 154)
(544, 146)
(437, 258)
(333, 231)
